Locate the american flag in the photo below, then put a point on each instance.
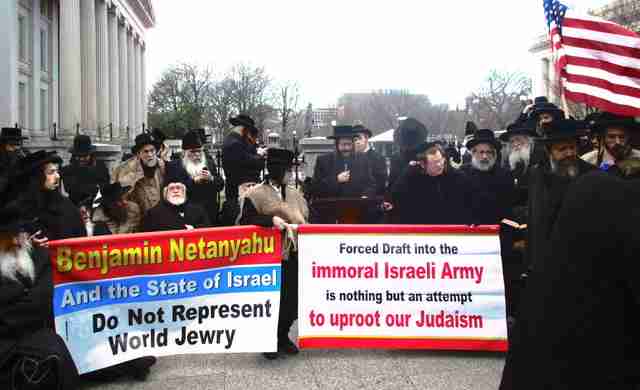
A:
(597, 61)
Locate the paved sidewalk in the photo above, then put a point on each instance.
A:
(324, 369)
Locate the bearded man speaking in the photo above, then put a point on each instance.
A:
(198, 174)
(550, 181)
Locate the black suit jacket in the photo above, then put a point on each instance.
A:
(378, 166)
(325, 177)
(240, 162)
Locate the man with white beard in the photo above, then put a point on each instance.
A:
(175, 211)
(144, 173)
(198, 174)
(32, 355)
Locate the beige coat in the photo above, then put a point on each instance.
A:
(592, 156)
(145, 191)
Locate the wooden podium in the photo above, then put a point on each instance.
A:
(345, 211)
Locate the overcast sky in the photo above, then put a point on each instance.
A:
(441, 48)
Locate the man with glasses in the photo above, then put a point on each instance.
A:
(198, 174)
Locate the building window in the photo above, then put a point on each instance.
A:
(44, 53)
(22, 104)
(44, 8)
(44, 109)
(22, 38)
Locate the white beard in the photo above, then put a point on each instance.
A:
(482, 165)
(176, 201)
(193, 169)
(516, 156)
(17, 261)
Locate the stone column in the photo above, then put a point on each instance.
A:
(89, 61)
(143, 73)
(124, 79)
(133, 124)
(137, 77)
(9, 63)
(102, 68)
(70, 66)
(114, 72)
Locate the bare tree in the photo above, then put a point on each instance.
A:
(499, 101)
(623, 12)
(249, 89)
(287, 97)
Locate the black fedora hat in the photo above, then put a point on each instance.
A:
(143, 140)
(563, 130)
(244, 121)
(470, 128)
(111, 193)
(82, 145)
(33, 161)
(191, 140)
(546, 107)
(423, 147)
(526, 128)
(11, 134)
(601, 121)
(483, 136)
(12, 218)
(360, 129)
(281, 157)
(342, 131)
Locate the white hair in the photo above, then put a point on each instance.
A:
(165, 194)
(483, 166)
(523, 155)
(18, 261)
(193, 168)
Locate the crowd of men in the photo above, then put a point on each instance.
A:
(520, 181)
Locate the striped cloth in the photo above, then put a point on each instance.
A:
(598, 62)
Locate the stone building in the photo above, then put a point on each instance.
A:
(74, 65)
(623, 12)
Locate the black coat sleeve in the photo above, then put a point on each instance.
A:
(250, 216)
(325, 182)
(238, 156)
(201, 217)
(217, 184)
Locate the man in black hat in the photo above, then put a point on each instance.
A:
(579, 328)
(430, 192)
(174, 211)
(32, 355)
(378, 166)
(275, 203)
(10, 151)
(343, 173)
(491, 185)
(550, 181)
(113, 214)
(199, 174)
(409, 134)
(144, 173)
(470, 129)
(36, 188)
(84, 173)
(544, 113)
(242, 162)
(614, 141)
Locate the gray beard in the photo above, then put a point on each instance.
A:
(193, 169)
(520, 156)
(562, 169)
(481, 165)
(16, 262)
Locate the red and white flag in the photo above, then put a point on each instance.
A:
(598, 61)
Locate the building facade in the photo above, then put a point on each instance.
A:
(69, 66)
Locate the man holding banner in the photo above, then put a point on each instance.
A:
(273, 203)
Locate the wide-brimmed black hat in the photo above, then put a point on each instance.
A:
(526, 128)
(83, 196)
(244, 121)
(562, 130)
(343, 131)
(282, 157)
(358, 129)
(110, 193)
(11, 134)
(31, 162)
(603, 120)
(483, 136)
(82, 145)
(12, 219)
(191, 140)
(545, 106)
(142, 140)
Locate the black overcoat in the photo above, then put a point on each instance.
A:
(165, 216)
(579, 323)
(240, 162)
